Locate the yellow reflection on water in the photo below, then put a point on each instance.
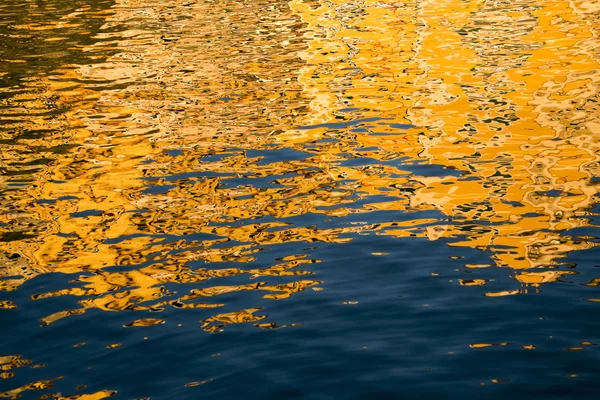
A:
(505, 92)
(211, 128)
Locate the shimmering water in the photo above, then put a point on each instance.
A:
(313, 199)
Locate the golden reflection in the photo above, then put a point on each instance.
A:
(103, 394)
(184, 154)
(220, 320)
(504, 93)
(38, 385)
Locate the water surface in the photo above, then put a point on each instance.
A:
(315, 199)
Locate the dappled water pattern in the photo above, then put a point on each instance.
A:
(299, 199)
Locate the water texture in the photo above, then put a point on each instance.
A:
(312, 199)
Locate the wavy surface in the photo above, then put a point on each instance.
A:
(361, 173)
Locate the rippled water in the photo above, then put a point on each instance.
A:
(315, 199)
